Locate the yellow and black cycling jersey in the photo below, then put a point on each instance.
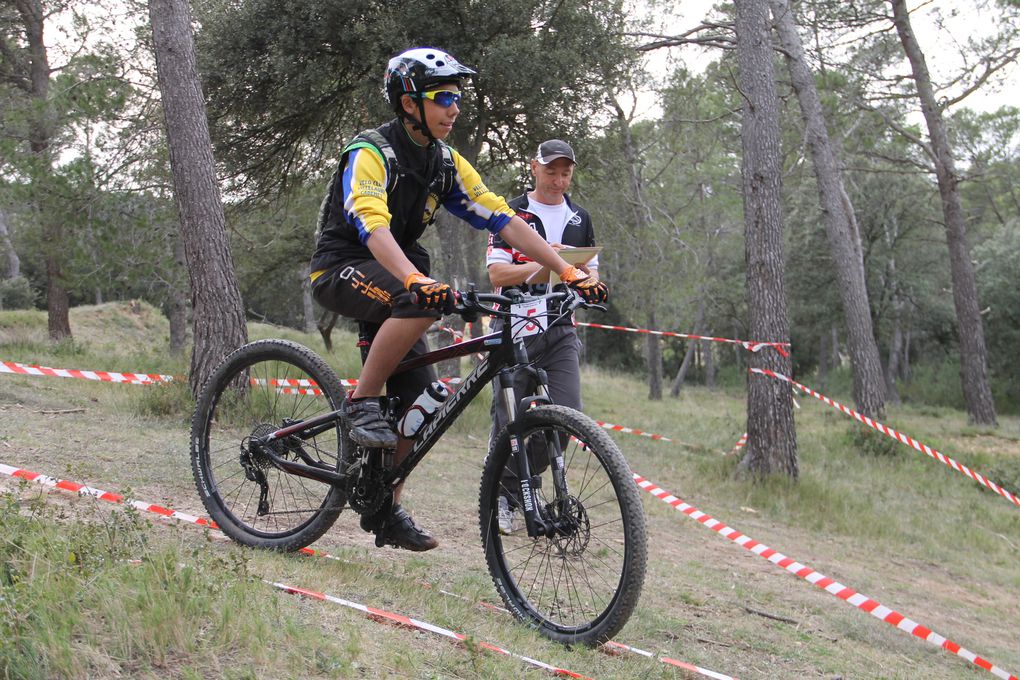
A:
(359, 202)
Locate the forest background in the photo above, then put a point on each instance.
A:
(87, 211)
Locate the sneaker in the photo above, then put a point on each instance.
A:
(365, 421)
(400, 531)
(506, 517)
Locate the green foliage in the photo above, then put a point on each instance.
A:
(287, 82)
(999, 258)
(16, 293)
(166, 400)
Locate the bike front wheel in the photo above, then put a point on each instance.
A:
(257, 389)
(580, 585)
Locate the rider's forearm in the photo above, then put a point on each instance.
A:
(503, 274)
(386, 251)
(525, 239)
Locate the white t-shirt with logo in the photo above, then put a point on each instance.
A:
(554, 220)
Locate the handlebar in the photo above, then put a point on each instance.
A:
(470, 303)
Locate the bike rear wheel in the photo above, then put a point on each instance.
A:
(581, 585)
(256, 390)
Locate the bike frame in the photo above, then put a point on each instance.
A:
(503, 359)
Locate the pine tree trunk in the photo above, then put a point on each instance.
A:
(458, 266)
(58, 304)
(218, 312)
(653, 352)
(11, 255)
(840, 222)
(837, 360)
(33, 16)
(823, 360)
(685, 364)
(772, 439)
(706, 348)
(977, 391)
(738, 351)
(307, 304)
(177, 302)
(892, 367)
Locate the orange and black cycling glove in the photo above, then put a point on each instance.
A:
(429, 293)
(591, 289)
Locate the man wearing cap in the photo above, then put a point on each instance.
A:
(548, 210)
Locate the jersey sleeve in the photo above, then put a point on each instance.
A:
(364, 192)
(499, 251)
(472, 201)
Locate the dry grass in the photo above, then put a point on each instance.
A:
(903, 529)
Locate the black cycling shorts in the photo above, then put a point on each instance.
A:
(364, 290)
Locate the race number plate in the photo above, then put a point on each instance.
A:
(536, 322)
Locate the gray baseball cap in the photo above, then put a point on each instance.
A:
(552, 149)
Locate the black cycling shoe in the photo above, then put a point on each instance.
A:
(365, 420)
(398, 530)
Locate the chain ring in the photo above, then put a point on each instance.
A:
(366, 493)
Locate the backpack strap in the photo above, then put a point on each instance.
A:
(373, 139)
(366, 139)
(448, 172)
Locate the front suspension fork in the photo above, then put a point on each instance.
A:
(535, 520)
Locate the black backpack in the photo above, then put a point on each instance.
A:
(373, 139)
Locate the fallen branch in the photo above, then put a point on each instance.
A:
(774, 617)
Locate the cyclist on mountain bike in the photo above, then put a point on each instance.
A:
(368, 263)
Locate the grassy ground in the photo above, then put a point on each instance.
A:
(888, 522)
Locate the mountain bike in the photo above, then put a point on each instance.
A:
(274, 466)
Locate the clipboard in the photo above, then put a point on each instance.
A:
(573, 256)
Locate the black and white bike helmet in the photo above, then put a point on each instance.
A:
(416, 70)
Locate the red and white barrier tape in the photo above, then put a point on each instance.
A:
(108, 496)
(287, 385)
(630, 430)
(827, 584)
(118, 499)
(670, 662)
(153, 378)
(889, 432)
(458, 337)
(739, 445)
(106, 376)
(408, 622)
(750, 345)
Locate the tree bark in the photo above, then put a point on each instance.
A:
(11, 255)
(218, 312)
(653, 351)
(840, 222)
(905, 361)
(685, 364)
(458, 269)
(307, 304)
(977, 391)
(823, 360)
(706, 350)
(891, 233)
(177, 302)
(772, 438)
(33, 19)
(892, 367)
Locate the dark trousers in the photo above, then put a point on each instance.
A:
(558, 352)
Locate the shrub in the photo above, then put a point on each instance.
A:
(16, 293)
